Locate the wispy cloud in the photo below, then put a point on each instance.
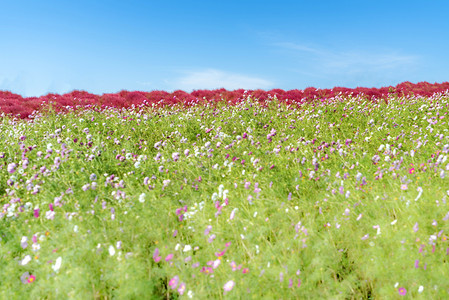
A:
(213, 79)
(27, 85)
(326, 67)
(352, 61)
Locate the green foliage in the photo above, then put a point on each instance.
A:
(333, 200)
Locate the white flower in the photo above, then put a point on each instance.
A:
(50, 215)
(142, 198)
(231, 217)
(214, 196)
(216, 263)
(75, 228)
(24, 240)
(420, 289)
(111, 250)
(25, 260)
(36, 246)
(228, 286)
(187, 248)
(57, 264)
(190, 294)
(220, 190)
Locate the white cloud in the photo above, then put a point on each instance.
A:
(214, 79)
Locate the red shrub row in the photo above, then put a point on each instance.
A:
(14, 104)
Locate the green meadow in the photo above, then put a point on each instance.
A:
(345, 199)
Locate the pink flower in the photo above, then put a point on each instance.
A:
(207, 270)
(402, 291)
(36, 213)
(218, 254)
(173, 283)
(207, 230)
(12, 168)
(182, 288)
(156, 256)
(27, 278)
(415, 227)
(228, 286)
(170, 256)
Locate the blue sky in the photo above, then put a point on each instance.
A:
(108, 46)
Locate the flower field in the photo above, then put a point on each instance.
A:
(335, 194)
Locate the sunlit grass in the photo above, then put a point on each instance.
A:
(337, 200)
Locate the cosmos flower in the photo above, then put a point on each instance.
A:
(173, 283)
(142, 198)
(57, 264)
(25, 260)
(27, 278)
(182, 288)
(156, 256)
(12, 168)
(228, 286)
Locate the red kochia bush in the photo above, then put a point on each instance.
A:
(14, 104)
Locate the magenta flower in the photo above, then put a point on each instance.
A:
(207, 270)
(168, 257)
(221, 253)
(173, 283)
(27, 278)
(156, 256)
(402, 291)
(36, 213)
